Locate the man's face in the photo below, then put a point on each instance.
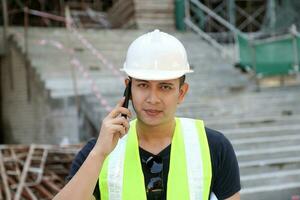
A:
(155, 102)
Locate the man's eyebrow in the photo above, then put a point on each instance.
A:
(161, 83)
(138, 80)
(166, 83)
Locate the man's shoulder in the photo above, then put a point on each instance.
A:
(89, 145)
(80, 158)
(86, 149)
(214, 135)
(223, 159)
(217, 141)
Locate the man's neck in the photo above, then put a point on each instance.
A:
(155, 138)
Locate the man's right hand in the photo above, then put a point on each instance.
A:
(114, 127)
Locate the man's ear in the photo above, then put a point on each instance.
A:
(182, 92)
(126, 81)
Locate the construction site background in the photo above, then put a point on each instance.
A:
(60, 76)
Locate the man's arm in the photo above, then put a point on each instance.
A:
(226, 179)
(82, 185)
(78, 162)
(236, 196)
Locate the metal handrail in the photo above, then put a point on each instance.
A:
(205, 35)
(272, 39)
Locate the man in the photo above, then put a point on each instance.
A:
(155, 156)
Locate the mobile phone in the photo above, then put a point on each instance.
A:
(127, 95)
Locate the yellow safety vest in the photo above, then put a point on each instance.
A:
(190, 172)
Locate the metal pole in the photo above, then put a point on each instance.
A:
(231, 11)
(179, 14)
(68, 24)
(187, 9)
(231, 14)
(293, 31)
(26, 30)
(271, 14)
(5, 24)
(26, 23)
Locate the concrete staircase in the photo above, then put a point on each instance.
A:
(262, 126)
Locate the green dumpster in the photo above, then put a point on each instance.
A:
(274, 57)
(268, 57)
(245, 52)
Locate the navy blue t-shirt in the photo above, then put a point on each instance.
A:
(225, 170)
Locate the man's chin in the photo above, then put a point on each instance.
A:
(151, 121)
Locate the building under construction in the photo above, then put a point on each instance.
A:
(60, 76)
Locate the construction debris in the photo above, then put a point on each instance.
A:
(34, 172)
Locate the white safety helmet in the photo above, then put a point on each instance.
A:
(156, 56)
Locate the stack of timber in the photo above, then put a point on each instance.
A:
(90, 18)
(35, 171)
(143, 14)
(151, 14)
(121, 15)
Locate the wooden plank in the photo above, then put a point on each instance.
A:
(42, 190)
(4, 178)
(24, 173)
(31, 194)
(51, 185)
(52, 178)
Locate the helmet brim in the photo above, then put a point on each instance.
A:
(155, 75)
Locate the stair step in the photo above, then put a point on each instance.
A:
(264, 129)
(266, 142)
(267, 153)
(270, 162)
(270, 175)
(256, 121)
(274, 192)
(270, 179)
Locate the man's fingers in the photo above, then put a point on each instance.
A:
(120, 103)
(119, 129)
(121, 120)
(119, 110)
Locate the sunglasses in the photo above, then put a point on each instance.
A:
(155, 185)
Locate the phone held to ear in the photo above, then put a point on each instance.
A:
(127, 95)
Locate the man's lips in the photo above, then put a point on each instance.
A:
(152, 112)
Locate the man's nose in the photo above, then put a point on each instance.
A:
(153, 97)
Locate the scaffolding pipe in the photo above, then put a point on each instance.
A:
(231, 11)
(215, 16)
(5, 24)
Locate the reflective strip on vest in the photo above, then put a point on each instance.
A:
(112, 173)
(194, 158)
(190, 170)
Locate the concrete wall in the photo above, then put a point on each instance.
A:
(39, 118)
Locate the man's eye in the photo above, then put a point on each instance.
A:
(142, 85)
(166, 87)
